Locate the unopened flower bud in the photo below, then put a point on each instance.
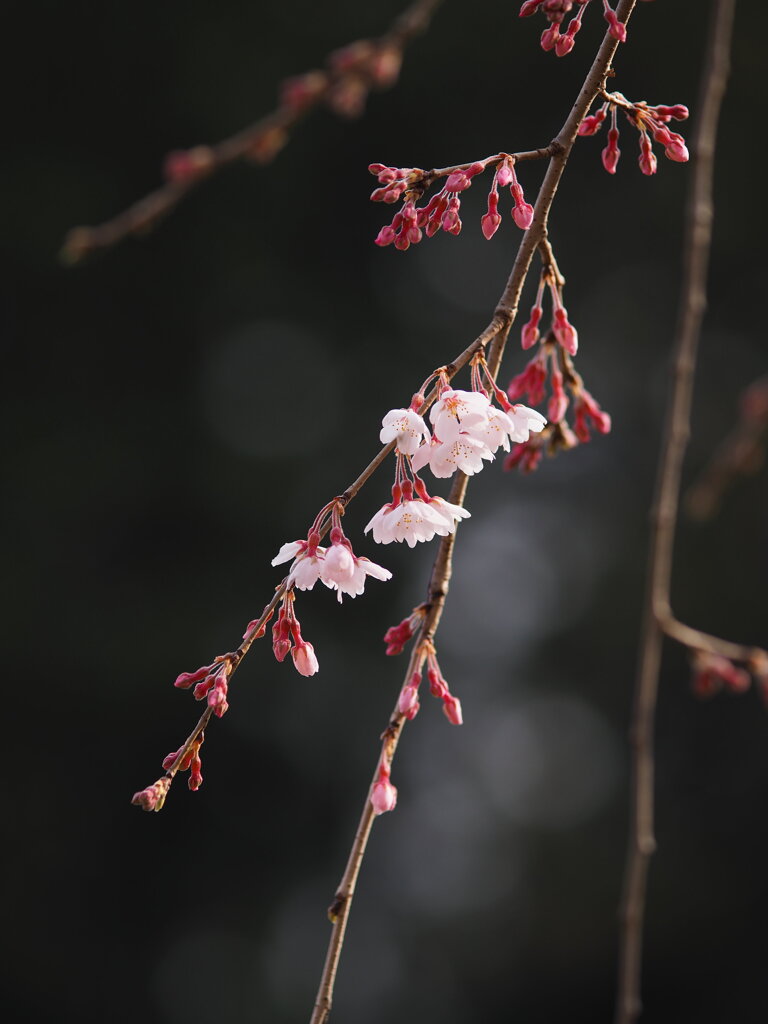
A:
(611, 153)
(452, 709)
(304, 659)
(530, 332)
(186, 679)
(565, 332)
(383, 794)
(153, 797)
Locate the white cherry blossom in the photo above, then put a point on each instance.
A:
(458, 412)
(451, 514)
(338, 565)
(289, 551)
(356, 583)
(306, 570)
(414, 521)
(465, 453)
(526, 422)
(406, 427)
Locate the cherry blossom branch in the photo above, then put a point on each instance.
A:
(350, 74)
(658, 617)
(506, 311)
(152, 798)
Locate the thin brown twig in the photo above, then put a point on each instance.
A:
(658, 614)
(535, 237)
(259, 142)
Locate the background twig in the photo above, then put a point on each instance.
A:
(698, 232)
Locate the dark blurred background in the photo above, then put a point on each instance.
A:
(179, 407)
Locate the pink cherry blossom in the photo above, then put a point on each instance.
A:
(355, 585)
(414, 521)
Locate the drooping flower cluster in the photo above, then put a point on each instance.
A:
(408, 702)
(211, 682)
(441, 212)
(555, 12)
(351, 74)
(553, 364)
(337, 566)
(467, 431)
(383, 795)
(190, 762)
(649, 122)
(713, 673)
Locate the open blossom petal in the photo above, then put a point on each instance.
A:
(289, 551)
(338, 566)
(363, 567)
(526, 422)
(305, 571)
(458, 411)
(406, 427)
(449, 513)
(498, 430)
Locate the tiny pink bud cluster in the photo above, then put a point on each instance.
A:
(553, 364)
(211, 682)
(408, 703)
(649, 122)
(190, 762)
(153, 797)
(555, 12)
(713, 673)
(351, 74)
(442, 211)
(398, 636)
(286, 637)
(184, 166)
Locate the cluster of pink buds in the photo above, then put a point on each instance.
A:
(441, 212)
(408, 703)
(190, 762)
(351, 74)
(153, 797)
(649, 122)
(211, 683)
(398, 636)
(553, 364)
(286, 636)
(555, 11)
(713, 673)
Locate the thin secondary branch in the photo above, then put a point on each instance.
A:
(260, 142)
(506, 310)
(698, 229)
